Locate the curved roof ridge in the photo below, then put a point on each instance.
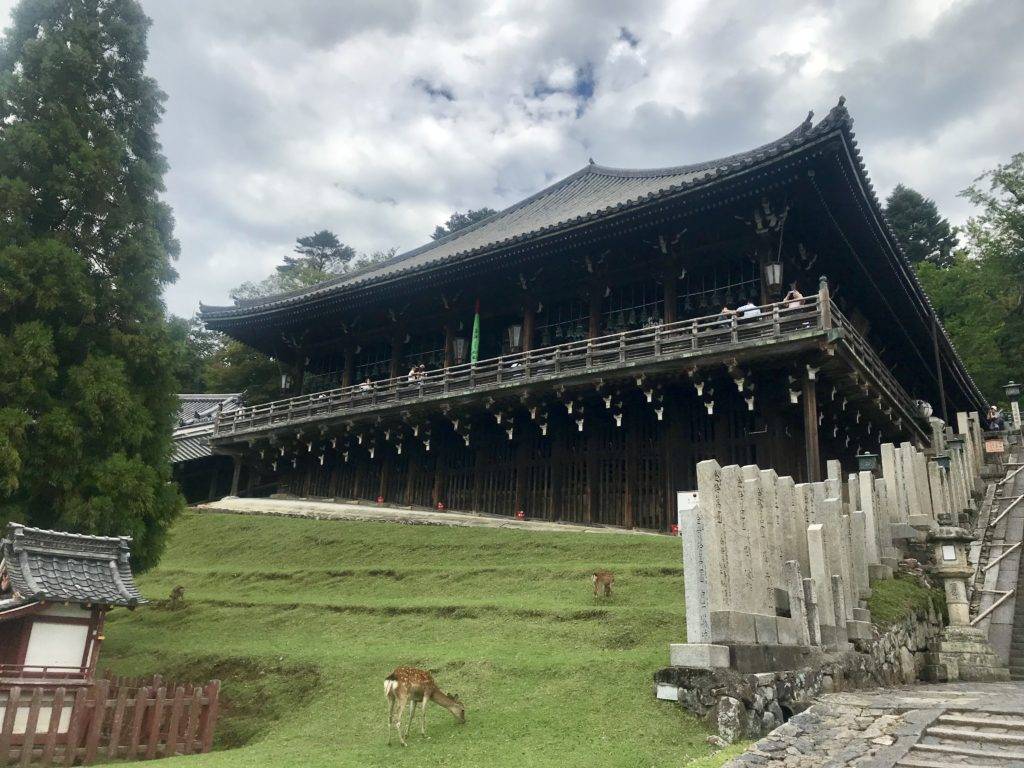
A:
(603, 198)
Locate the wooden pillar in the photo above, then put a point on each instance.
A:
(449, 341)
(595, 310)
(812, 452)
(211, 494)
(350, 364)
(629, 487)
(522, 458)
(237, 474)
(437, 493)
(590, 510)
(396, 353)
(938, 369)
(385, 472)
(559, 449)
(824, 303)
(529, 322)
(671, 280)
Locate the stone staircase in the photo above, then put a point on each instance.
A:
(969, 740)
(1017, 637)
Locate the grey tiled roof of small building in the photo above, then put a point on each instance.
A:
(192, 447)
(58, 567)
(196, 408)
(590, 192)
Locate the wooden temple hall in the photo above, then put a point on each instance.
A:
(604, 366)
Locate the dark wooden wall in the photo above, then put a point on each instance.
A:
(605, 474)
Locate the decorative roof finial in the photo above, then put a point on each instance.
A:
(842, 101)
(591, 161)
(806, 124)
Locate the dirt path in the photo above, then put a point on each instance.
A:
(331, 510)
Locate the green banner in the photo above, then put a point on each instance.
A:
(474, 349)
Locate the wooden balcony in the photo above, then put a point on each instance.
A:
(776, 331)
(33, 675)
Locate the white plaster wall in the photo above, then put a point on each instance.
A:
(56, 645)
(45, 712)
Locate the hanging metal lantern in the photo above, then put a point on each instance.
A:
(514, 336)
(773, 276)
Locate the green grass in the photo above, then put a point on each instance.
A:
(895, 599)
(303, 619)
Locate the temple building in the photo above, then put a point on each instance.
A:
(575, 355)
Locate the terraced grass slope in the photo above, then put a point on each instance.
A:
(303, 619)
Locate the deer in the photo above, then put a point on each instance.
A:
(409, 685)
(603, 580)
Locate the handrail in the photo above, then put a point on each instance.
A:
(773, 321)
(878, 368)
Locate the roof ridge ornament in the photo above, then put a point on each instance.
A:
(808, 122)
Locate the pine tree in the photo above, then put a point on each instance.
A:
(321, 253)
(922, 233)
(460, 220)
(87, 390)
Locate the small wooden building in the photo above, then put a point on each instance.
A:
(201, 474)
(569, 358)
(55, 589)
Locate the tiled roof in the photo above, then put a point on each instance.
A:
(191, 447)
(197, 408)
(591, 192)
(59, 567)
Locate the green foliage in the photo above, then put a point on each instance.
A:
(550, 674)
(238, 368)
(923, 234)
(196, 347)
(460, 220)
(979, 294)
(87, 389)
(322, 252)
(895, 599)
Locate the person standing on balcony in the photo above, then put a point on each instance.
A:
(793, 299)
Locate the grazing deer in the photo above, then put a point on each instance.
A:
(603, 580)
(409, 685)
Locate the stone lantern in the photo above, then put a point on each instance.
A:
(950, 545)
(961, 652)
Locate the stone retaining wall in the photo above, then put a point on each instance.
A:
(748, 706)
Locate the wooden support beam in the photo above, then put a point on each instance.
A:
(671, 280)
(237, 474)
(350, 364)
(396, 352)
(595, 311)
(529, 322)
(812, 451)
(449, 341)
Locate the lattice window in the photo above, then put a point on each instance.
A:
(373, 361)
(633, 305)
(426, 348)
(705, 290)
(562, 321)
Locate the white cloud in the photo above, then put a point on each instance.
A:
(378, 118)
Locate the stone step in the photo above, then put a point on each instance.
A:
(925, 761)
(965, 734)
(970, 751)
(975, 721)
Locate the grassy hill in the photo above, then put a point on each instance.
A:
(303, 619)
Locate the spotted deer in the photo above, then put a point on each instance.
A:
(412, 686)
(603, 580)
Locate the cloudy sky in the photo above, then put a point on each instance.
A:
(378, 118)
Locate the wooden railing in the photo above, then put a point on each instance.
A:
(27, 674)
(874, 365)
(774, 322)
(106, 721)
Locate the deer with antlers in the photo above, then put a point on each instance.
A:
(412, 686)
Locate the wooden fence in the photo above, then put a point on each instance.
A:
(113, 718)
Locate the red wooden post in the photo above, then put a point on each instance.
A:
(171, 747)
(56, 711)
(117, 722)
(192, 723)
(209, 719)
(28, 740)
(141, 700)
(8, 727)
(75, 725)
(99, 713)
(154, 722)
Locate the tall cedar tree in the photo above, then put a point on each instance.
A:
(920, 230)
(87, 389)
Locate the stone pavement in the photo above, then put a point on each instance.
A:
(958, 725)
(337, 510)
